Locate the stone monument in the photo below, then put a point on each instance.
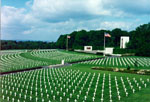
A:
(123, 41)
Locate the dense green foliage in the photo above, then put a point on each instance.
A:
(140, 40)
(124, 51)
(93, 38)
(11, 44)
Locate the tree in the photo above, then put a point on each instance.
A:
(140, 40)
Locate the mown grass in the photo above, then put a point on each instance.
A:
(133, 62)
(29, 56)
(88, 68)
(141, 96)
(41, 78)
(12, 62)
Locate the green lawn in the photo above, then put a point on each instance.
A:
(88, 68)
(76, 82)
(122, 62)
(15, 60)
(141, 96)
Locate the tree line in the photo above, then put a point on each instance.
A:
(139, 40)
(12, 44)
(79, 39)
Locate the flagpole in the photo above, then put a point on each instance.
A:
(104, 44)
(67, 44)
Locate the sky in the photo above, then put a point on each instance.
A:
(46, 20)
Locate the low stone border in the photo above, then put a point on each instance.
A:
(124, 70)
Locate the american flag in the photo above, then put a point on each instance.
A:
(68, 36)
(107, 35)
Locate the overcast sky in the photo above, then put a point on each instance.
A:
(46, 20)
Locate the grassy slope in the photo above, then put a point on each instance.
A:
(78, 53)
(110, 63)
(29, 56)
(142, 96)
(87, 68)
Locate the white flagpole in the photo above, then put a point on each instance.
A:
(104, 44)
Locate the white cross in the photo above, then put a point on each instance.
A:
(70, 95)
(53, 97)
(24, 96)
(66, 90)
(47, 95)
(42, 94)
(67, 99)
(145, 85)
(94, 94)
(77, 96)
(119, 97)
(75, 100)
(30, 97)
(137, 84)
(87, 93)
(57, 92)
(15, 93)
(93, 99)
(139, 87)
(13, 99)
(110, 96)
(80, 91)
(64, 93)
(85, 97)
(102, 95)
(102, 99)
(133, 90)
(20, 95)
(10, 92)
(60, 98)
(8, 99)
(126, 94)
